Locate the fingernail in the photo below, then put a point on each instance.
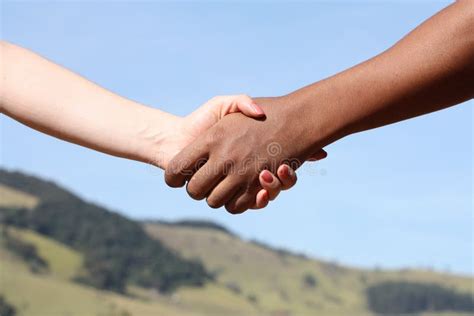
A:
(257, 109)
(285, 170)
(267, 177)
(290, 171)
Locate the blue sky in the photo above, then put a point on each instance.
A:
(394, 197)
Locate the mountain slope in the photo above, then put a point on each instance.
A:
(279, 280)
(13, 198)
(116, 249)
(34, 295)
(249, 278)
(53, 293)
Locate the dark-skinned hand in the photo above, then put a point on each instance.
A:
(224, 163)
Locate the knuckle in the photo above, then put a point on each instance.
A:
(211, 138)
(198, 164)
(173, 169)
(227, 166)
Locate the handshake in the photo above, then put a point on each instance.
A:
(240, 152)
(236, 151)
(237, 160)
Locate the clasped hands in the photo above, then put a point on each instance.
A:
(242, 162)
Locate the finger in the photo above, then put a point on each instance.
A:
(287, 176)
(270, 183)
(319, 155)
(230, 205)
(223, 192)
(185, 164)
(206, 178)
(241, 103)
(261, 200)
(219, 106)
(244, 199)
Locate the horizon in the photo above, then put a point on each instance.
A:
(395, 197)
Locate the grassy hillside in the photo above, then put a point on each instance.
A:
(64, 262)
(279, 280)
(251, 279)
(35, 295)
(13, 198)
(116, 249)
(54, 294)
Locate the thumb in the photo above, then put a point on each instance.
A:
(239, 103)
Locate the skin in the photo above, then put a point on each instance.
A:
(58, 102)
(430, 69)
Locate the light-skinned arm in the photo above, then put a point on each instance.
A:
(58, 102)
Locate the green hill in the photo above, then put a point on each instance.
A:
(286, 284)
(116, 249)
(46, 223)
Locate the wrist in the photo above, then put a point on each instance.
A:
(156, 135)
(318, 115)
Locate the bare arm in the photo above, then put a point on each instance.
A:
(56, 101)
(430, 69)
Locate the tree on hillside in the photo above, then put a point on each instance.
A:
(409, 297)
(24, 250)
(5, 308)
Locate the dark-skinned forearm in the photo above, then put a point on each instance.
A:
(430, 69)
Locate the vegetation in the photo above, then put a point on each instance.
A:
(43, 189)
(116, 249)
(25, 251)
(252, 280)
(63, 261)
(5, 308)
(194, 223)
(47, 295)
(309, 281)
(282, 252)
(11, 197)
(234, 287)
(277, 281)
(252, 298)
(392, 297)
